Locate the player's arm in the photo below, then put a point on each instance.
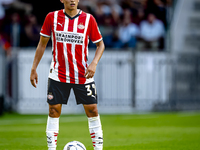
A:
(38, 55)
(92, 67)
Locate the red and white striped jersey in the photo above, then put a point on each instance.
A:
(70, 38)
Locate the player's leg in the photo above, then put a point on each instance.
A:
(58, 94)
(86, 95)
(52, 128)
(95, 127)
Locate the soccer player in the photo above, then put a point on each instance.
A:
(70, 29)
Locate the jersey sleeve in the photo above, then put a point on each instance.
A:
(94, 32)
(46, 27)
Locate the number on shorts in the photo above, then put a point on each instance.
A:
(89, 89)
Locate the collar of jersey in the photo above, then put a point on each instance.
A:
(79, 13)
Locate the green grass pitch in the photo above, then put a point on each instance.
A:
(154, 131)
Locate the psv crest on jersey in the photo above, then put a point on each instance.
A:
(81, 26)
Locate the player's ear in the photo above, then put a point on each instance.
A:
(61, 1)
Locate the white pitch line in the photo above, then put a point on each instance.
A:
(40, 121)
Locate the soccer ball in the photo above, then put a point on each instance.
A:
(74, 145)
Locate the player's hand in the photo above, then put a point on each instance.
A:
(34, 77)
(90, 70)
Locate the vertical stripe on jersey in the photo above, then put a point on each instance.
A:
(61, 61)
(85, 47)
(79, 54)
(70, 53)
(74, 52)
(70, 61)
(81, 69)
(54, 39)
(66, 52)
(60, 49)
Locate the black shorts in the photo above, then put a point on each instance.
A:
(58, 92)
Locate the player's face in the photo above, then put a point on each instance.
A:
(70, 4)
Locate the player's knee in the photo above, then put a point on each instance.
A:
(92, 112)
(53, 112)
